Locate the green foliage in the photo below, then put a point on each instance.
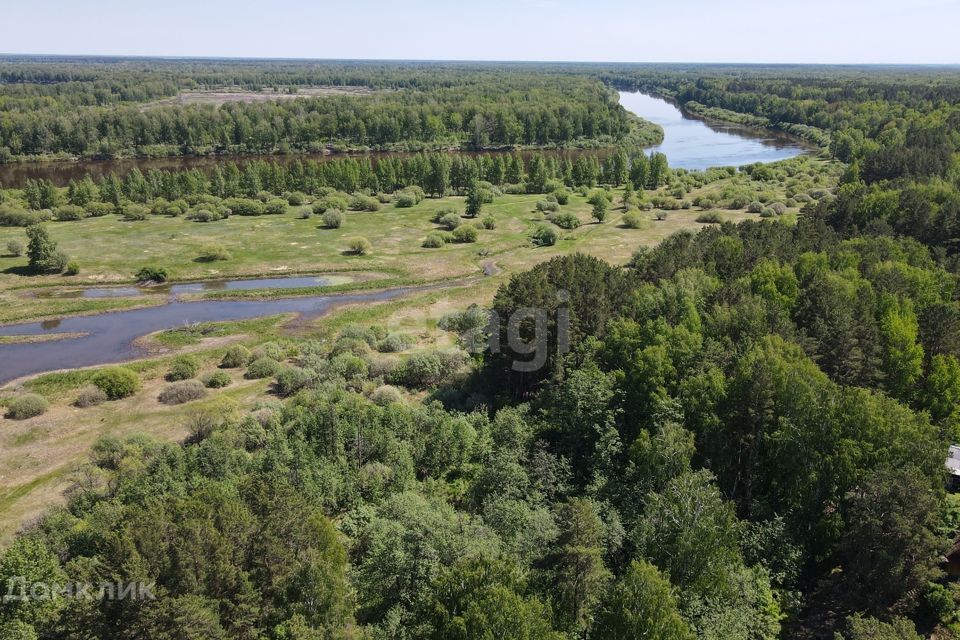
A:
(449, 221)
(635, 220)
(565, 220)
(218, 380)
(641, 605)
(262, 368)
(465, 233)
(385, 395)
(475, 199)
(235, 357)
(42, 252)
(333, 218)
(710, 217)
(15, 248)
(360, 246)
(434, 240)
(860, 627)
(213, 253)
(151, 274)
(426, 369)
(26, 406)
(116, 382)
(183, 368)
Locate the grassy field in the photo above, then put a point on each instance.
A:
(38, 455)
(110, 250)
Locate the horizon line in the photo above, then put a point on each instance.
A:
(7, 55)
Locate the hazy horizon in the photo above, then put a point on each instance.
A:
(854, 32)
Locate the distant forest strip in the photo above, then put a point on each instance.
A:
(66, 109)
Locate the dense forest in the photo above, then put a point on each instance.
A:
(744, 440)
(105, 111)
(747, 436)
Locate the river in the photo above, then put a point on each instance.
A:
(691, 142)
(112, 337)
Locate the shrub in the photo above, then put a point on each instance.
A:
(236, 356)
(768, 213)
(269, 350)
(665, 202)
(333, 218)
(72, 268)
(218, 380)
(360, 246)
(290, 380)
(433, 240)
(58, 263)
(709, 217)
(396, 342)
(465, 233)
(151, 274)
(360, 202)
(348, 366)
(410, 196)
(135, 212)
(183, 368)
(181, 392)
(99, 209)
(203, 215)
(449, 221)
(275, 207)
(488, 222)
(296, 199)
(69, 213)
(244, 206)
(384, 198)
(660, 214)
(14, 217)
(565, 220)
(439, 214)
(426, 369)
(385, 395)
(117, 382)
(405, 200)
(26, 406)
(331, 201)
(755, 207)
(704, 202)
(90, 397)
(778, 208)
(213, 253)
(562, 195)
(262, 368)
(635, 220)
(544, 236)
(15, 248)
(547, 206)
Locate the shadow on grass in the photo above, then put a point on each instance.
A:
(19, 270)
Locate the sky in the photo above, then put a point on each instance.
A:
(807, 31)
